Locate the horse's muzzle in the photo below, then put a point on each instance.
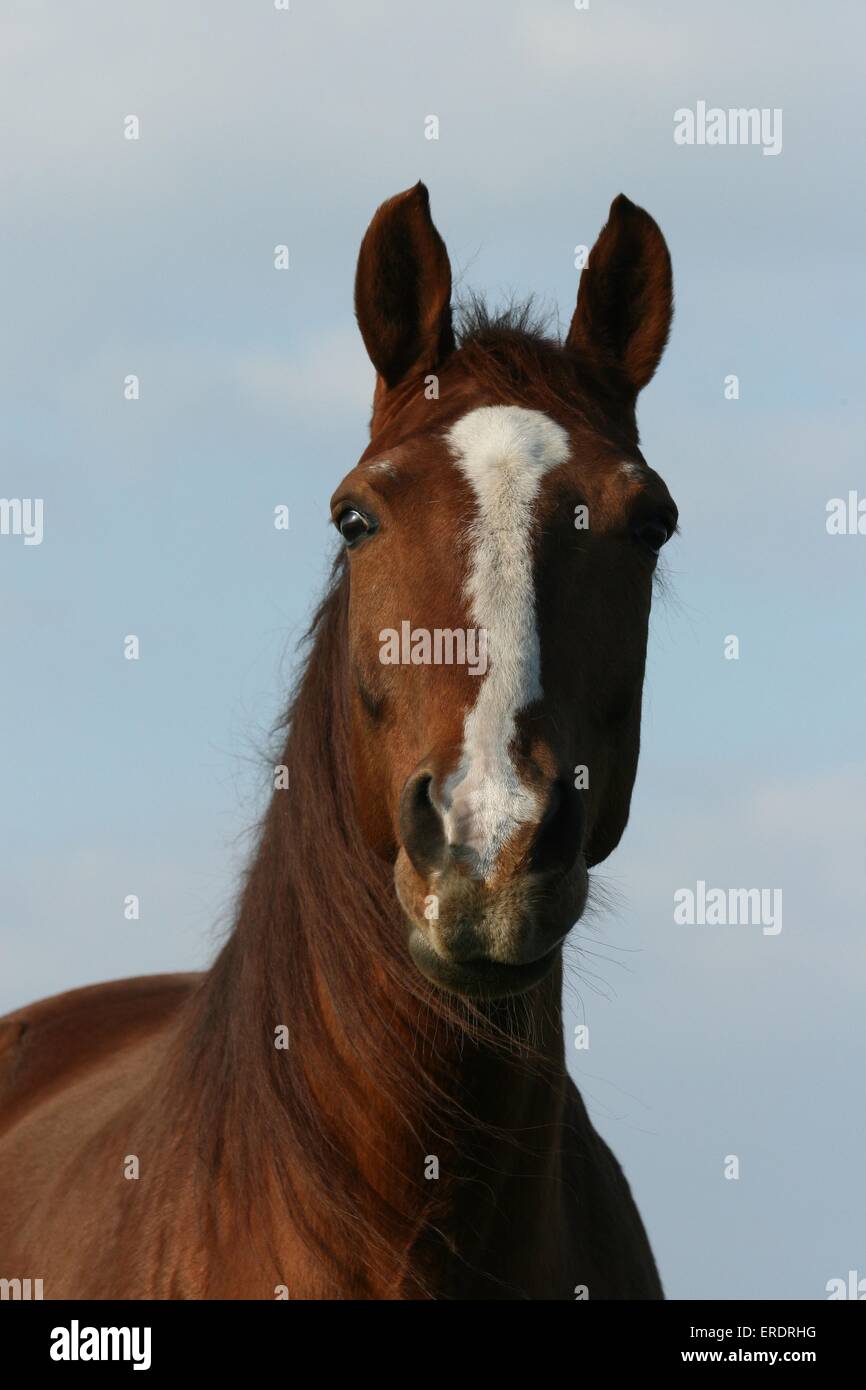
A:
(493, 934)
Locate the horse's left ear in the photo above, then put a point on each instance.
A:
(625, 301)
(403, 289)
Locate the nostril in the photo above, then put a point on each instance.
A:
(421, 829)
(554, 802)
(558, 838)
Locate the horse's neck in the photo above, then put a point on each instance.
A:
(324, 1066)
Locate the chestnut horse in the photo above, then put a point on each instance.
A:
(366, 1096)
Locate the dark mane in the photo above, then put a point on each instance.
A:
(519, 318)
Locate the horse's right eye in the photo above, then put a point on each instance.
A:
(652, 534)
(352, 525)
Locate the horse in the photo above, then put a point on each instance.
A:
(366, 1096)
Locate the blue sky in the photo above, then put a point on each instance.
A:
(156, 257)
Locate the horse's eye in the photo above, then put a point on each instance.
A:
(352, 525)
(652, 534)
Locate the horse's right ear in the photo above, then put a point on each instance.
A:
(625, 301)
(403, 289)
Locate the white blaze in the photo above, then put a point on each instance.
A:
(504, 452)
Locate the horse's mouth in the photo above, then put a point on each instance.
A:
(481, 977)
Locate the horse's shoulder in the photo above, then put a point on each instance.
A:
(54, 1038)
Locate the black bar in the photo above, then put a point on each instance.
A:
(264, 1338)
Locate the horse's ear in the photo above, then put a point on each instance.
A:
(625, 300)
(403, 289)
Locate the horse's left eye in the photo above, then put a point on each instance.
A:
(352, 525)
(652, 534)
